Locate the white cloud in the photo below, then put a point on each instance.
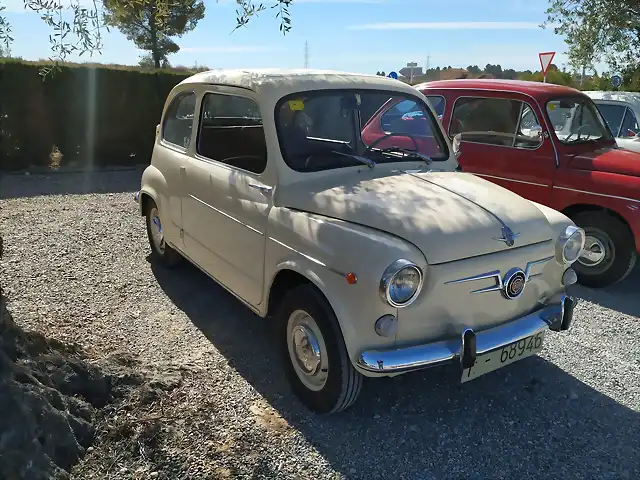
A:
(446, 26)
(228, 49)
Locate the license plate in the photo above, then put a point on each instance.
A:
(504, 356)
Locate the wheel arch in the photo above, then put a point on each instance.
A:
(576, 208)
(288, 276)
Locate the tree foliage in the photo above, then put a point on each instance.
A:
(151, 28)
(598, 30)
(76, 29)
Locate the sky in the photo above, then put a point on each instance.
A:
(352, 35)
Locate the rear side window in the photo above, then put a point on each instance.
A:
(231, 132)
(178, 121)
(613, 114)
(495, 121)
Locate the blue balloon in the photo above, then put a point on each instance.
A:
(393, 75)
(616, 81)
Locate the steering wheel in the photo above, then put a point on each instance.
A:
(389, 135)
(576, 132)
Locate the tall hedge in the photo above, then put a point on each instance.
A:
(93, 116)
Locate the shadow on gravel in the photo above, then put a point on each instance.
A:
(69, 183)
(622, 297)
(531, 420)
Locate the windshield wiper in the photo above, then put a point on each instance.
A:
(405, 151)
(367, 161)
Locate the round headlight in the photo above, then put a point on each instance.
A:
(570, 245)
(401, 283)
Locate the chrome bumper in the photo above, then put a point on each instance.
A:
(556, 317)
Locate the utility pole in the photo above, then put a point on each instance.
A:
(306, 54)
(411, 65)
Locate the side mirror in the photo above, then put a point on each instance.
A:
(457, 140)
(631, 133)
(535, 131)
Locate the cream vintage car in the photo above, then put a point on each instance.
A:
(372, 259)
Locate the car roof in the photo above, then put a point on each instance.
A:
(517, 86)
(629, 97)
(288, 80)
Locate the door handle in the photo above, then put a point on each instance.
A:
(262, 188)
(182, 170)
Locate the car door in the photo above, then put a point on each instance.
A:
(503, 141)
(229, 191)
(170, 157)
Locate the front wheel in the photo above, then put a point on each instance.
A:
(609, 250)
(159, 247)
(314, 354)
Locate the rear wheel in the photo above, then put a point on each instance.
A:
(314, 354)
(609, 251)
(160, 250)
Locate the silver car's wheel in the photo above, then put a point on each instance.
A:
(307, 350)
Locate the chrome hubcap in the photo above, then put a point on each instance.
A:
(156, 230)
(594, 252)
(307, 350)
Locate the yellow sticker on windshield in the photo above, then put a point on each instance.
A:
(552, 106)
(296, 105)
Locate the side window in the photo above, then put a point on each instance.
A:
(629, 124)
(397, 118)
(178, 121)
(491, 121)
(231, 132)
(529, 133)
(437, 102)
(613, 114)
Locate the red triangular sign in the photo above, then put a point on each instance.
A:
(545, 60)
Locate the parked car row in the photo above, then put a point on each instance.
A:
(319, 203)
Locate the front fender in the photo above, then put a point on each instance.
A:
(324, 250)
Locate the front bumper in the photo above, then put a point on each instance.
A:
(556, 317)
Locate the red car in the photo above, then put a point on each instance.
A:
(549, 144)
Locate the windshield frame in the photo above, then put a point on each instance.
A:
(607, 135)
(392, 94)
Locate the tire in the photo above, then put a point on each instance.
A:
(335, 386)
(160, 250)
(604, 230)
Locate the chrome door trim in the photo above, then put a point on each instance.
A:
(226, 215)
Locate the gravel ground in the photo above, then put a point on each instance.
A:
(76, 268)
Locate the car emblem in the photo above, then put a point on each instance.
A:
(508, 236)
(513, 283)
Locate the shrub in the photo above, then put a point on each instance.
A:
(88, 115)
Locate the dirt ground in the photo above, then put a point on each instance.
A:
(119, 369)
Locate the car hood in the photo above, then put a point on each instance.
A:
(632, 144)
(448, 215)
(611, 160)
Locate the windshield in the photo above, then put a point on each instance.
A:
(327, 129)
(577, 120)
